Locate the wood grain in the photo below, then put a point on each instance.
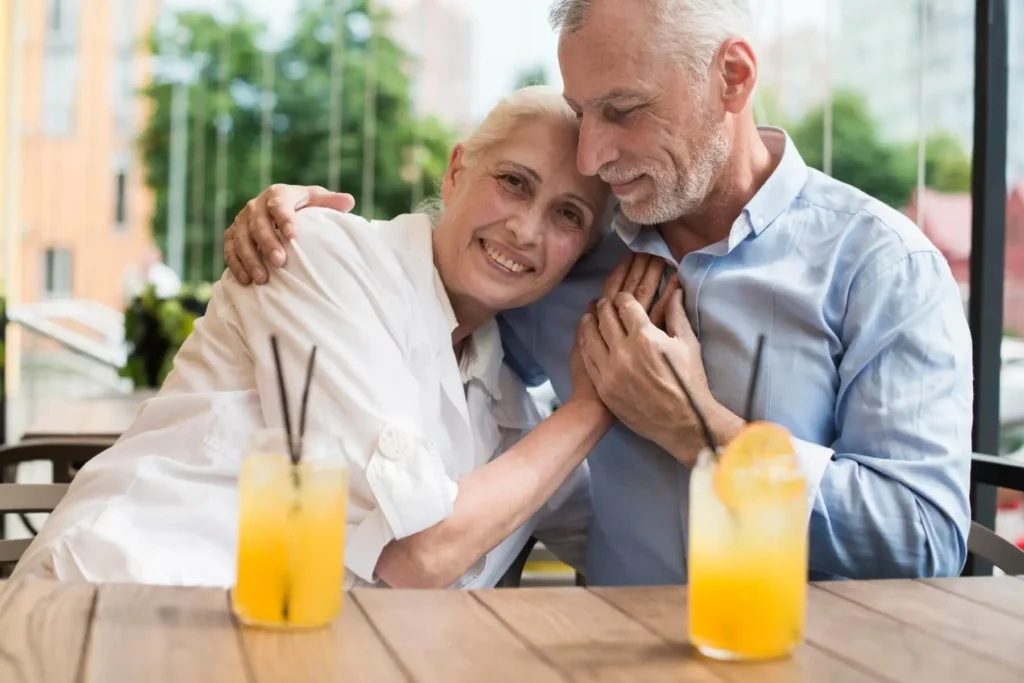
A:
(448, 636)
(160, 634)
(43, 630)
(964, 623)
(892, 649)
(348, 651)
(590, 640)
(664, 610)
(894, 631)
(997, 592)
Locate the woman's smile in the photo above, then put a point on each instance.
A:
(501, 258)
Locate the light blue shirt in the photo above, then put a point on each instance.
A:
(868, 363)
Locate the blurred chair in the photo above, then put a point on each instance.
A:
(66, 455)
(513, 578)
(22, 499)
(983, 542)
(514, 575)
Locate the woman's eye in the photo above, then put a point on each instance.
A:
(573, 217)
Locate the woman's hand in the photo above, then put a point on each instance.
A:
(256, 237)
(582, 386)
(637, 274)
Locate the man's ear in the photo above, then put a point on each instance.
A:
(453, 175)
(737, 66)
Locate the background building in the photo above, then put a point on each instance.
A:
(794, 72)
(6, 68)
(879, 56)
(440, 35)
(83, 210)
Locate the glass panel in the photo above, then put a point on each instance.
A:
(1010, 519)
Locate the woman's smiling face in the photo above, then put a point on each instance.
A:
(517, 216)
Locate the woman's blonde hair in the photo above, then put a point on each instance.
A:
(522, 106)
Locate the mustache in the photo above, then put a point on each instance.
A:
(620, 175)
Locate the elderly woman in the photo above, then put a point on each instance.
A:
(410, 384)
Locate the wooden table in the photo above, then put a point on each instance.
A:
(857, 632)
(107, 416)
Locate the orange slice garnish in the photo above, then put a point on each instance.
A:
(759, 464)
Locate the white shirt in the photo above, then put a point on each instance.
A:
(161, 506)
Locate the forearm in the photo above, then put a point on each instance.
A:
(497, 499)
(888, 521)
(684, 442)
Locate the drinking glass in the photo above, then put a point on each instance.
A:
(291, 533)
(747, 558)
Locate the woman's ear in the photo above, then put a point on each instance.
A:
(453, 175)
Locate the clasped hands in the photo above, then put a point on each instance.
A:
(624, 340)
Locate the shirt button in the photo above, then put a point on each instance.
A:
(393, 443)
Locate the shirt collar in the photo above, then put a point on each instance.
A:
(482, 354)
(482, 357)
(771, 201)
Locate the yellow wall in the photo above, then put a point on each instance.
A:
(5, 42)
(8, 364)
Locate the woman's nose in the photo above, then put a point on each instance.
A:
(527, 228)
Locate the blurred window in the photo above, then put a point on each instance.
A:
(57, 272)
(60, 68)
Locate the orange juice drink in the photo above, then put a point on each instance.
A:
(748, 548)
(291, 535)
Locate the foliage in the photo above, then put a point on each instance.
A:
(947, 166)
(155, 328)
(768, 108)
(863, 159)
(535, 75)
(300, 123)
(859, 156)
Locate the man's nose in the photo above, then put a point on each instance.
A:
(595, 147)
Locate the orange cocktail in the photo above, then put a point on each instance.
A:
(748, 548)
(291, 535)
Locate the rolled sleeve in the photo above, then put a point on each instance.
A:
(410, 483)
(413, 492)
(894, 501)
(812, 460)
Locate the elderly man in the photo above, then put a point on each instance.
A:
(868, 355)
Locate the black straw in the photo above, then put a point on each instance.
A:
(708, 438)
(755, 374)
(305, 402)
(284, 397)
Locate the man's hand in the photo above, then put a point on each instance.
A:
(256, 237)
(622, 351)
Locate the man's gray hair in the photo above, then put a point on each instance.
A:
(691, 31)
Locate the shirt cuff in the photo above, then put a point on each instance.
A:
(365, 543)
(412, 490)
(812, 460)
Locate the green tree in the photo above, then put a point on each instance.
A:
(863, 159)
(859, 156)
(535, 75)
(768, 108)
(301, 119)
(947, 166)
